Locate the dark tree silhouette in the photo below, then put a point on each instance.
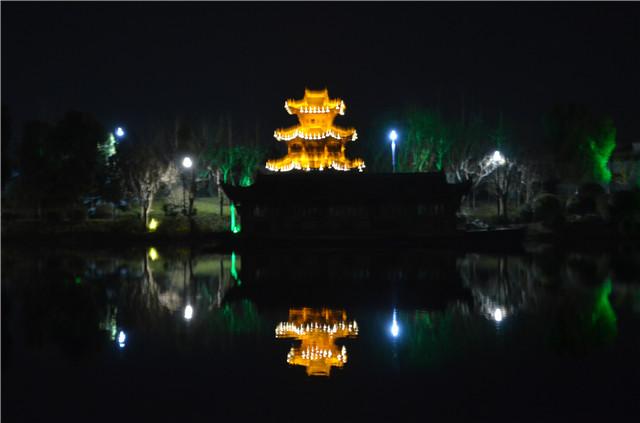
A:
(6, 142)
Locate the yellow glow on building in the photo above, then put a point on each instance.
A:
(315, 143)
(318, 330)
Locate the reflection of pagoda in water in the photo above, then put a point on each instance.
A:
(315, 143)
(318, 330)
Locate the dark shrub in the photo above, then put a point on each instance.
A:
(123, 206)
(525, 213)
(590, 190)
(170, 210)
(77, 214)
(103, 211)
(53, 216)
(128, 225)
(624, 204)
(547, 209)
(581, 205)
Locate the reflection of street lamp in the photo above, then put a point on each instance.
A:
(498, 315)
(122, 339)
(394, 329)
(393, 136)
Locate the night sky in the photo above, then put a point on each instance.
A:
(128, 63)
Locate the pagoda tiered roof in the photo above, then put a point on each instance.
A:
(315, 102)
(315, 143)
(315, 133)
(318, 162)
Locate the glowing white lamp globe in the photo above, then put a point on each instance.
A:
(188, 312)
(187, 162)
(498, 158)
(119, 132)
(498, 315)
(393, 135)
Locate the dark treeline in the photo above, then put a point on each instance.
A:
(59, 164)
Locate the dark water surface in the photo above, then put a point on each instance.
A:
(168, 334)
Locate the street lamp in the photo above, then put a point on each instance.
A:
(497, 158)
(187, 164)
(393, 136)
(188, 312)
(120, 132)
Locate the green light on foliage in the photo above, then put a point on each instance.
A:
(601, 150)
(108, 149)
(246, 181)
(603, 313)
(235, 226)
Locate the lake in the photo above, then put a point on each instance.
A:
(169, 333)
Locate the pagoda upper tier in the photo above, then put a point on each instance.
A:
(315, 102)
(316, 112)
(315, 143)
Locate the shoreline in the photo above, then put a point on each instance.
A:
(213, 241)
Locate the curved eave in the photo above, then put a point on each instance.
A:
(295, 107)
(288, 134)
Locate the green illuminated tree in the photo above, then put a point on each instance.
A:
(426, 144)
(581, 141)
(601, 144)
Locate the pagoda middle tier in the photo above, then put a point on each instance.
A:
(315, 143)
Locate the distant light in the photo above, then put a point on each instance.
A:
(188, 312)
(395, 329)
(187, 162)
(498, 158)
(393, 135)
(153, 225)
(498, 315)
(119, 132)
(122, 338)
(153, 254)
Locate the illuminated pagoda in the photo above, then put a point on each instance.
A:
(315, 143)
(318, 330)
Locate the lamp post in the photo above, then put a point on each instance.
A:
(393, 136)
(187, 164)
